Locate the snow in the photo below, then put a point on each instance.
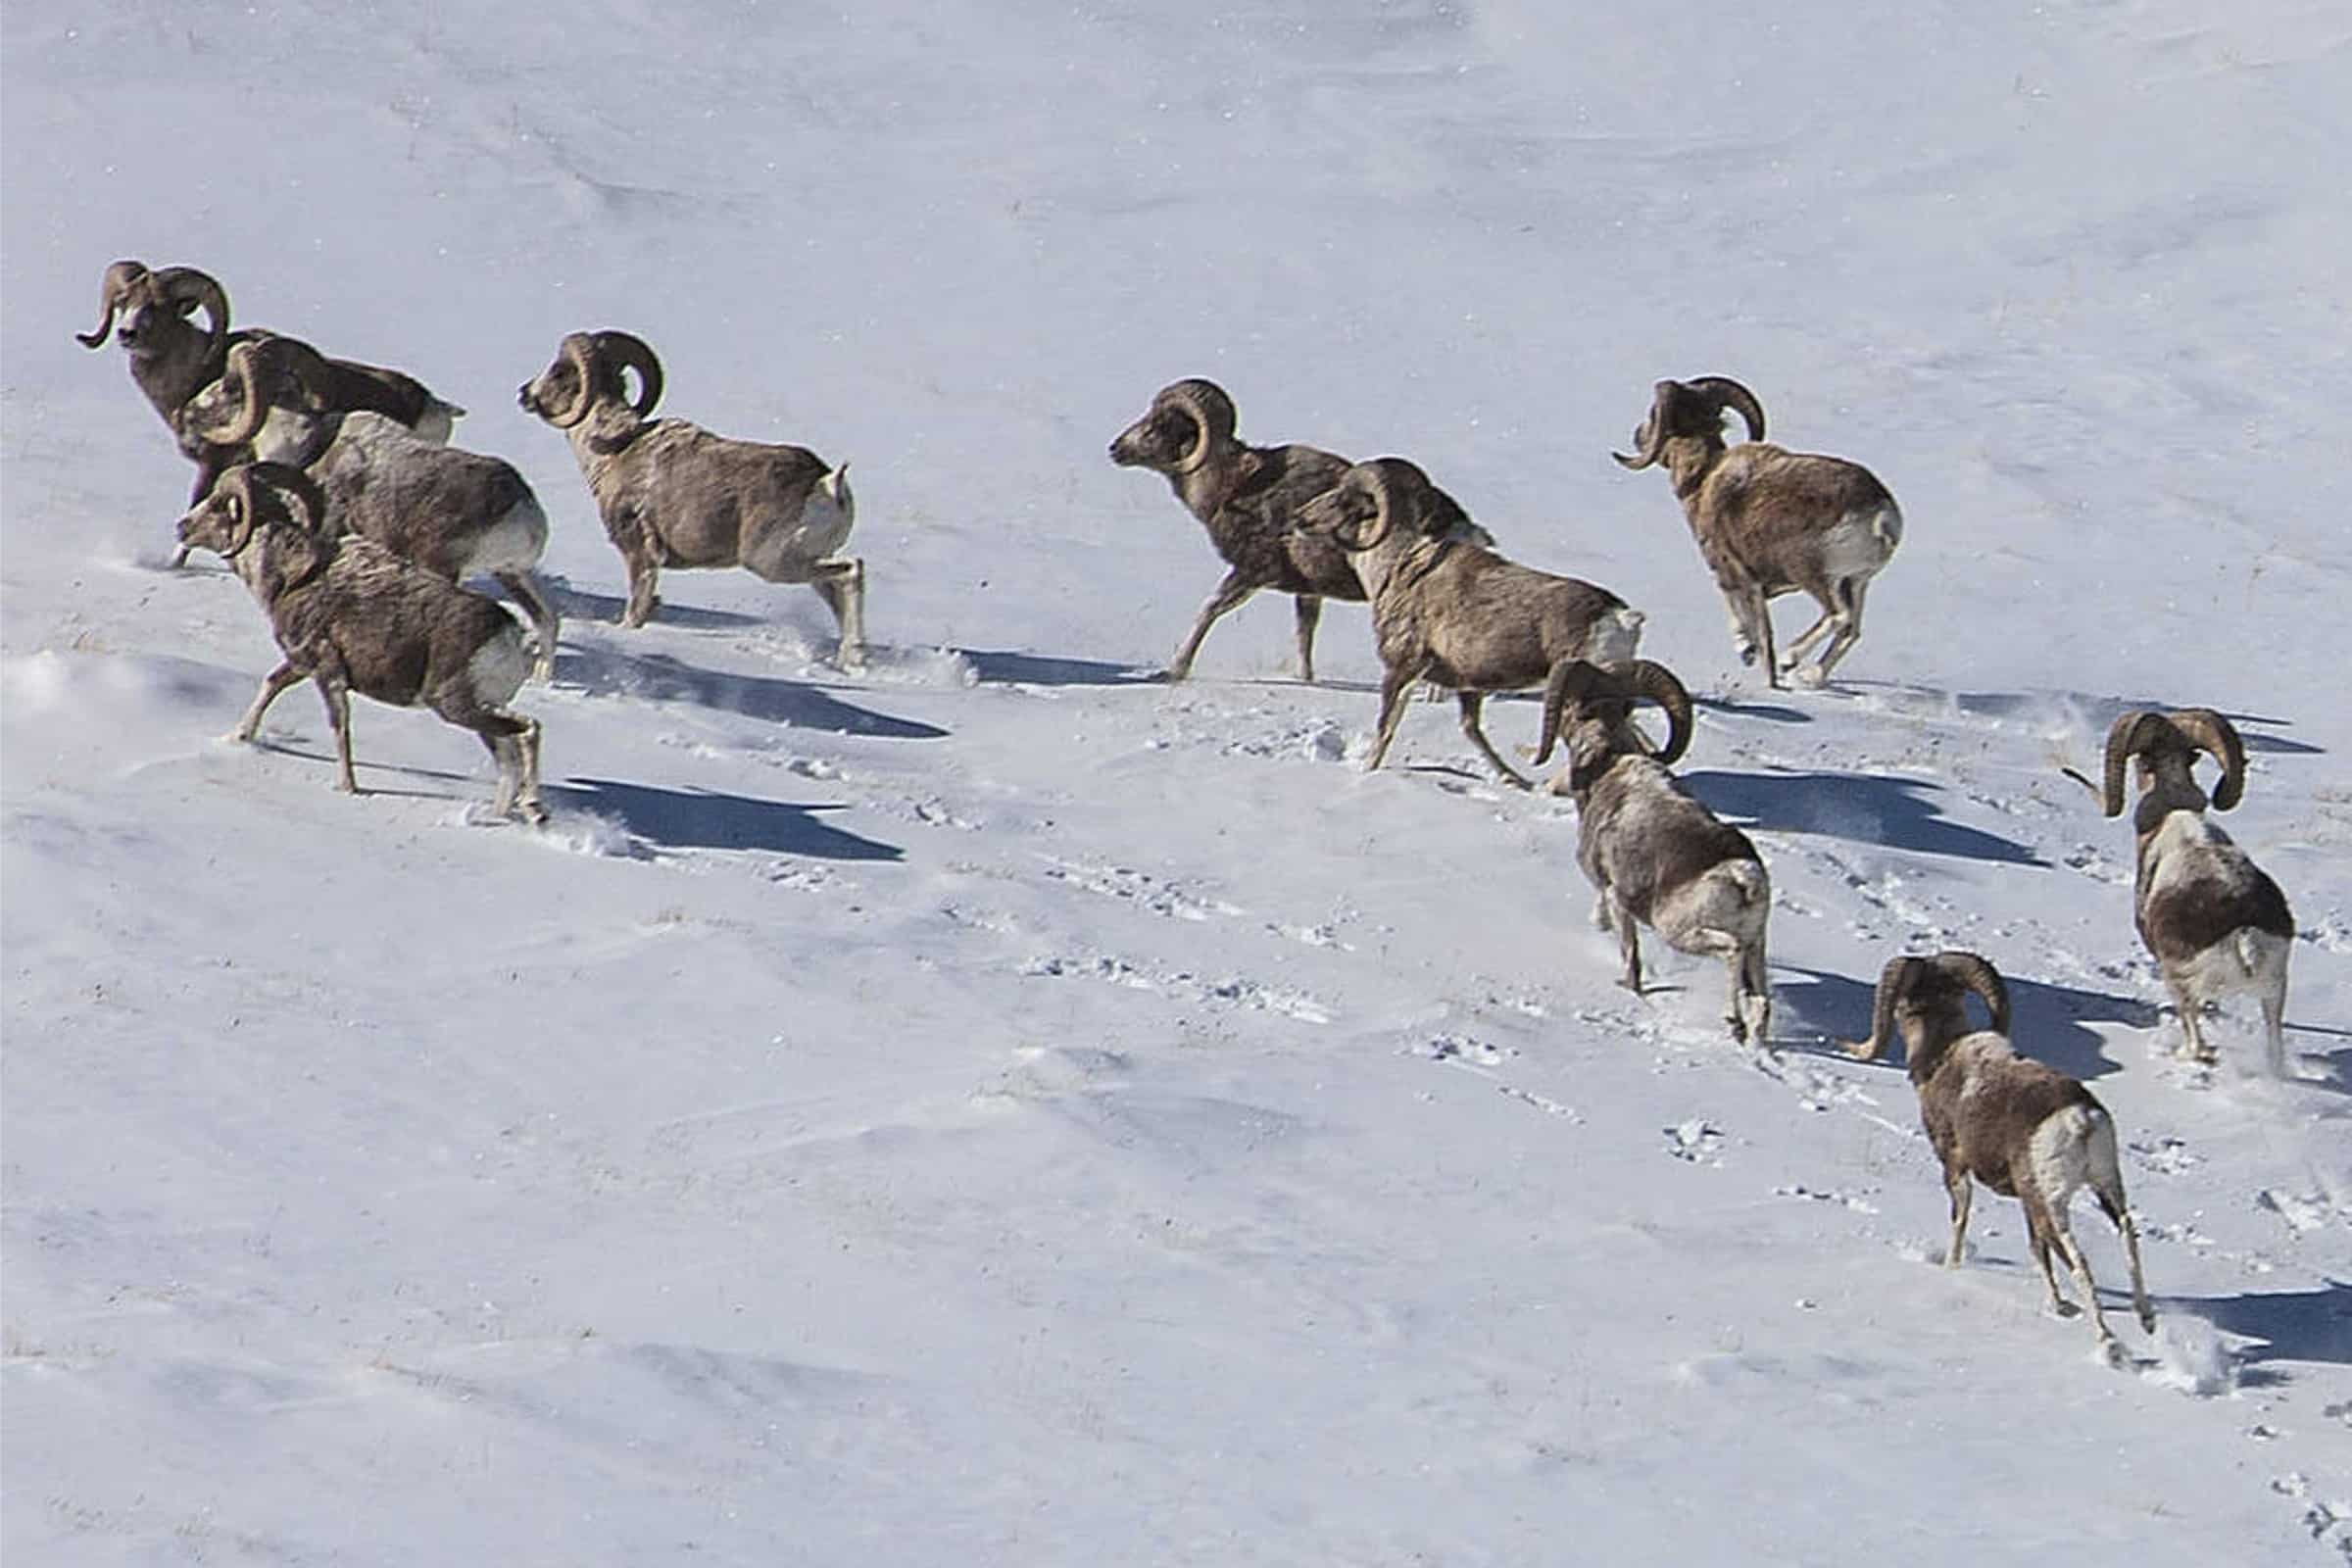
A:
(996, 1109)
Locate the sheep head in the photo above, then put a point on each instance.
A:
(1374, 499)
(2165, 745)
(1594, 708)
(1188, 422)
(248, 497)
(152, 304)
(591, 370)
(1691, 409)
(1928, 995)
(257, 376)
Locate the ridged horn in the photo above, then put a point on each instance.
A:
(628, 351)
(273, 371)
(183, 285)
(1648, 678)
(1894, 980)
(1723, 392)
(1650, 440)
(1205, 404)
(1974, 972)
(2124, 737)
(2215, 735)
(237, 484)
(120, 280)
(1572, 681)
(578, 350)
(1381, 478)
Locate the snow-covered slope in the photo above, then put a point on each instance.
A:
(995, 1111)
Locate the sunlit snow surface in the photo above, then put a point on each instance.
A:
(993, 1109)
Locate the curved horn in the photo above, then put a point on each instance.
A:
(1974, 972)
(2124, 737)
(1894, 980)
(578, 351)
(186, 286)
(1650, 440)
(273, 371)
(1572, 681)
(1380, 478)
(237, 484)
(288, 480)
(1723, 392)
(120, 278)
(2216, 736)
(628, 349)
(1648, 678)
(1205, 404)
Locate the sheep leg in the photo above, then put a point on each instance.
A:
(1229, 596)
(336, 693)
(273, 685)
(1310, 610)
(2111, 1203)
(1392, 686)
(1812, 634)
(1757, 1004)
(1850, 593)
(2072, 1251)
(841, 584)
(2273, 1030)
(1629, 941)
(1471, 702)
(1760, 616)
(2192, 1023)
(2038, 1226)
(545, 623)
(643, 575)
(1963, 1190)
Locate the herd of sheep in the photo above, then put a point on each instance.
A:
(330, 488)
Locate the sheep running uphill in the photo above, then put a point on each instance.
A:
(671, 494)
(1770, 521)
(1451, 612)
(2022, 1129)
(350, 615)
(1654, 856)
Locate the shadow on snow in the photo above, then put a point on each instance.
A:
(658, 677)
(711, 819)
(1870, 808)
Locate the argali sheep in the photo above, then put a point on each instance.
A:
(1654, 856)
(173, 360)
(671, 494)
(350, 615)
(1451, 612)
(2214, 922)
(1768, 521)
(2022, 1129)
(1248, 498)
(455, 512)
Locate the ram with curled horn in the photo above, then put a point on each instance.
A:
(2024, 1129)
(673, 494)
(455, 512)
(1654, 856)
(174, 362)
(1770, 521)
(349, 616)
(1450, 611)
(2216, 924)
(1248, 498)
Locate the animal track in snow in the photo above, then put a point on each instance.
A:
(2167, 1157)
(1694, 1141)
(1138, 888)
(1479, 1058)
(2301, 1213)
(1184, 984)
(1859, 1206)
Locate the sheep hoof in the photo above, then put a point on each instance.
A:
(2147, 1320)
(1748, 652)
(2060, 1306)
(534, 813)
(1812, 677)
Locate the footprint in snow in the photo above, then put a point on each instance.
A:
(1695, 1142)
